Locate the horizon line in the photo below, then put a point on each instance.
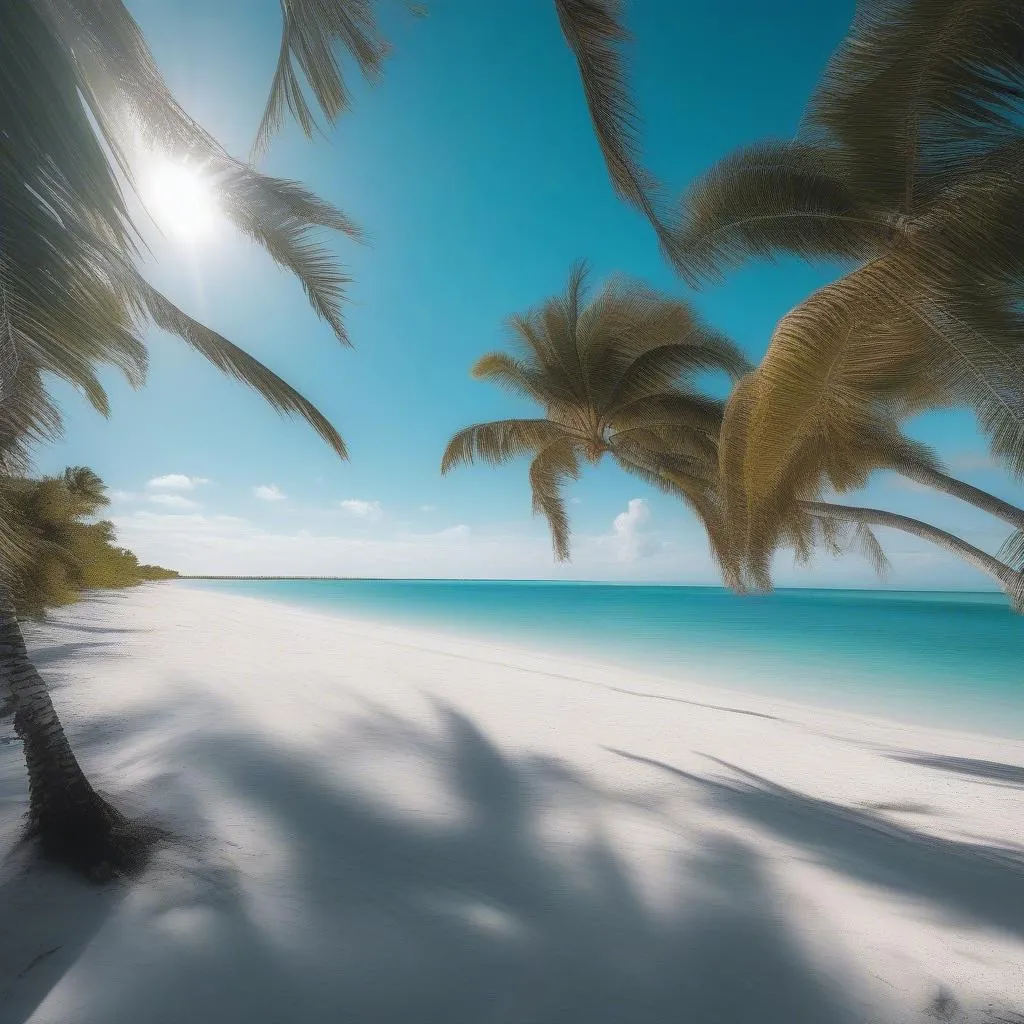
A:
(615, 583)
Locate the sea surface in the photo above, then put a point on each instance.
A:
(935, 658)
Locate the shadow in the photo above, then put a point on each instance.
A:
(49, 915)
(696, 703)
(324, 897)
(42, 657)
(971, 882)
(1011, 774)
(78, 627)
(49, 918)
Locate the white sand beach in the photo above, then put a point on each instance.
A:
(383, 825)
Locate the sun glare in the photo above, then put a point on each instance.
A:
(180, 200)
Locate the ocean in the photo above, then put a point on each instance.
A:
(935, 658)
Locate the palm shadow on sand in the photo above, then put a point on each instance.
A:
(384, 916)
(995, 771)
(972, 883)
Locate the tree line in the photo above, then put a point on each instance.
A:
(66, 550)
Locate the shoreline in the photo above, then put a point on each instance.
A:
(710, 679)
(364, 798)
(990, 591)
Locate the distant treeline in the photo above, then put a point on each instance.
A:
(64, 550)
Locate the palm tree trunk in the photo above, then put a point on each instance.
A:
(71, 821)
(1011, 581)
(965, 492)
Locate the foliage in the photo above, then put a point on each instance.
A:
(66, 552)
(83, 108)
(906, 170)
(614, 376)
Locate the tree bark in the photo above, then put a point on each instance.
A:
(1011, 581)
(71, 821)
(965, 492)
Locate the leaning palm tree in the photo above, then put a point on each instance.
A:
(82, 106)
(614, 376)
(793, 515)
(71, 820)
(905, 171)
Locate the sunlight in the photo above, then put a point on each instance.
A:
(181, 200)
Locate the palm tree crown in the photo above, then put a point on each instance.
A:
(906, 171)
(614, 376)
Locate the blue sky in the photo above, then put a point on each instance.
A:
(472, 167)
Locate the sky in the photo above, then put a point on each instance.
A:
(472, 167)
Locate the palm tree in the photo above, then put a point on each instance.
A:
(614, 376)
(72, 821)
(81, 104)
(906, 171)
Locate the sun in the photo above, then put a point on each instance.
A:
(181, 200)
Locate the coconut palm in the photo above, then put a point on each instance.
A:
(614, 376)
(799, 519)
(72, 821)
(906, 171)
(82, 107)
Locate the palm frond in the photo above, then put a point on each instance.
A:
(548, 335)
(500, 441)
(521, 378)
(670, 410)
(28, 416)
(733, 452)
(674, 366)
(693, 481)
(865, 542)
(552, 466)
(917, 86)
(310, 29)
(825, 372)
(595, 33)
(236, 363)
(281, 217)
(978, 356)
(969, 233)
(1012, 550)
(139, 117)
(774, 197)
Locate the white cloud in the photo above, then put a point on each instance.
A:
(269, 492)
(361, 509)
(173, 501)
(428, 508)
(630, 534)
(194, 542)
(123, 496)
(176, 482)
(575, 501)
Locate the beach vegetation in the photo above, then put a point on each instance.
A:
(905, 176)
(86, 118)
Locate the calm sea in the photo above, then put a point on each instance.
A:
(953, 659)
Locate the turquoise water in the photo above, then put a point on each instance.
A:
(953, 659)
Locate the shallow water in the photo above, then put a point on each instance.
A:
(952, 659)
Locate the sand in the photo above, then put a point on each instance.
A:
(380, 825)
